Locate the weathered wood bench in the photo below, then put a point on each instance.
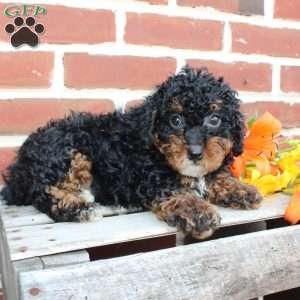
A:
(41, 259)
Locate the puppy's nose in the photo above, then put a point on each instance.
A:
(195, 151)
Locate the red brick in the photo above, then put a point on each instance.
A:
(7, 156)
(25, 69)
(155, 1)
(133, 104)
(290, 79)
(287, 9)
(65, 25)
(288, 114)
(100, 71)
(262, 40)
(174, 32)
(24, 116)
(240, 75)
(245, 7)
(228, 5)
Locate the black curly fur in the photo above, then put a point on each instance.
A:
(127, 168)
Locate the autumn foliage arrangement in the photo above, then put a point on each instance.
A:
(271, 163)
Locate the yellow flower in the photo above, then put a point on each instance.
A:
(268, 184)
(289, 161)
(269, 169)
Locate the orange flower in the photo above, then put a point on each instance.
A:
(292, 213)
(238, 166)
(260, 138)
(259, 145)
(270, 173)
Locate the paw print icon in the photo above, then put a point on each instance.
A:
(24, 32)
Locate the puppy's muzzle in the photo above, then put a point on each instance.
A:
(195, 136)
(195, 151)
(194, 140)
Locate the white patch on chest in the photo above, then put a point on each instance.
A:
(190, 169)
(200, 187)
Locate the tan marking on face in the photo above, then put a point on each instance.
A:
(215, 151)
(176, 153)
(176, 106)
(66, 194)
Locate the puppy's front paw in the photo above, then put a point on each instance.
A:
(233, 193)
(189, 214)
(246, 197)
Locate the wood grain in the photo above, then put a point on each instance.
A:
(64, 259)
(16, 216)
(234, 268)
(9, 277)
(40, 240)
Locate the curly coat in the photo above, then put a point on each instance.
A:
(170, 155)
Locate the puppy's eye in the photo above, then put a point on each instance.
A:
(214, 107)
(177, 121)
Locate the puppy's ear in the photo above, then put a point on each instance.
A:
(238, 133)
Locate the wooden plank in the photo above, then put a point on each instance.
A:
(272, 207)
(233, 268)
(9, 277)
(51, 261)
(28, 220)
(16, 216)
(47, 262)
(64, 259)
(30, 264)
(25, 265)
(40, 240)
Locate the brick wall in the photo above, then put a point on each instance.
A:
(100, 55)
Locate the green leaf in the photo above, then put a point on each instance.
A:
(250, 165)
(293, 142)
(252, 119)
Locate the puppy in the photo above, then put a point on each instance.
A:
(171, 155)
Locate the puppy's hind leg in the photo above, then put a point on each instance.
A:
(71, 198)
